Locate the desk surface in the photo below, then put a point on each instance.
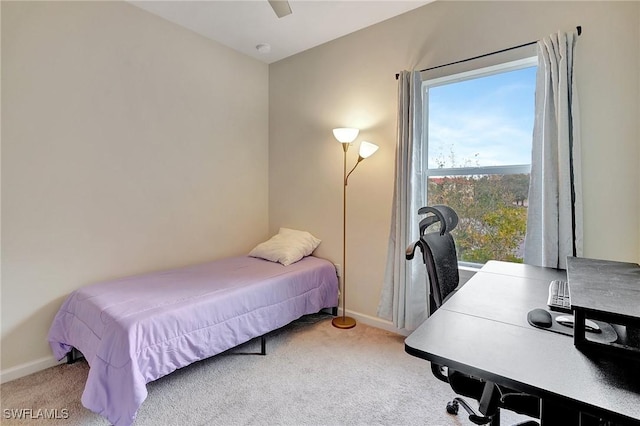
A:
(475, 332)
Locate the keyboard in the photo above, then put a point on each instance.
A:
(559, 296)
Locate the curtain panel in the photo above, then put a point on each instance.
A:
(404, 293)
(554, 220)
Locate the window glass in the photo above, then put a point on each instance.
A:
(478, 136)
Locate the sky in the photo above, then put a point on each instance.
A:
(485, 121)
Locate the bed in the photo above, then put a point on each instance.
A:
(137, 329)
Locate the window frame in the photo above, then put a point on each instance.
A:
(457, 77)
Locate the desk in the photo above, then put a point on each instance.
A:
(483, 331)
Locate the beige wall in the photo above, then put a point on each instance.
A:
(129, 144)
(350, 82)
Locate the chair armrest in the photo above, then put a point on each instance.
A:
(411, 250)
(521, 403)
(440, 372)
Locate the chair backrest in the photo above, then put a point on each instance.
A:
(439, 251)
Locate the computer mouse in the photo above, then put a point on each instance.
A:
(567, 320)
(540, 318)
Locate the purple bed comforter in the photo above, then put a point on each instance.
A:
(137, 329)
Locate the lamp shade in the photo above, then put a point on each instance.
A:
(367, 149)
(345, 134)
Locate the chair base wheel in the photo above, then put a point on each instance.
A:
(454, 406)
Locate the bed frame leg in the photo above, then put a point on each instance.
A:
(263, 345)
(72, 356)
(334, 311)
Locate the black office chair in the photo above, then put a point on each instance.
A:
(440, 257)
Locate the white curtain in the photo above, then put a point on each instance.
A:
(404, 293)
(554, 222)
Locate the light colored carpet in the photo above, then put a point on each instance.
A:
(313, 374)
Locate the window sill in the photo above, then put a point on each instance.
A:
(466, 272)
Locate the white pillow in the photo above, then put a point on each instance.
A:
(287, 246)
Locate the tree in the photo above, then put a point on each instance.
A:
(492, 212)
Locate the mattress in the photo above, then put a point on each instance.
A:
(137, 329)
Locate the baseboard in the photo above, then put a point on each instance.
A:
(376, 322)
(27, 368)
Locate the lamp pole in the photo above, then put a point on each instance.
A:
(345, 136)
(344, 321)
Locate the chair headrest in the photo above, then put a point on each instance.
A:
(447, 217)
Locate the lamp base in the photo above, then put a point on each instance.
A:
(343, 322)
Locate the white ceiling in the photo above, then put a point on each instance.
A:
(244, 24)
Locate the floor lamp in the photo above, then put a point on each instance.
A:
(345, 136)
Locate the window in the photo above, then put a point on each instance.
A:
(478, 134)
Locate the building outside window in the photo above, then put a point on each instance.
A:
(478, 137)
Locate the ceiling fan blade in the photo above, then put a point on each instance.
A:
(280, 7)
